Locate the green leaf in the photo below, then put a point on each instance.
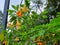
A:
(27, 2)
(15, 7)
(12, 18)
(10, 12)
(58, 13)
(1, 36)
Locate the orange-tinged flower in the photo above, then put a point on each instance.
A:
(19, 13)
(5, 42)
(10, 24)
(18, 25)
(40, 43)
(25, 9)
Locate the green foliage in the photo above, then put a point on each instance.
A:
(1, 36)
(31, 26)
(27, 2)
(15, 7)
(45, 30)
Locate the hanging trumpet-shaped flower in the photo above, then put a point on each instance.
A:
(40, 43)
(19, 13)
(25, 9)
(18, 25)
